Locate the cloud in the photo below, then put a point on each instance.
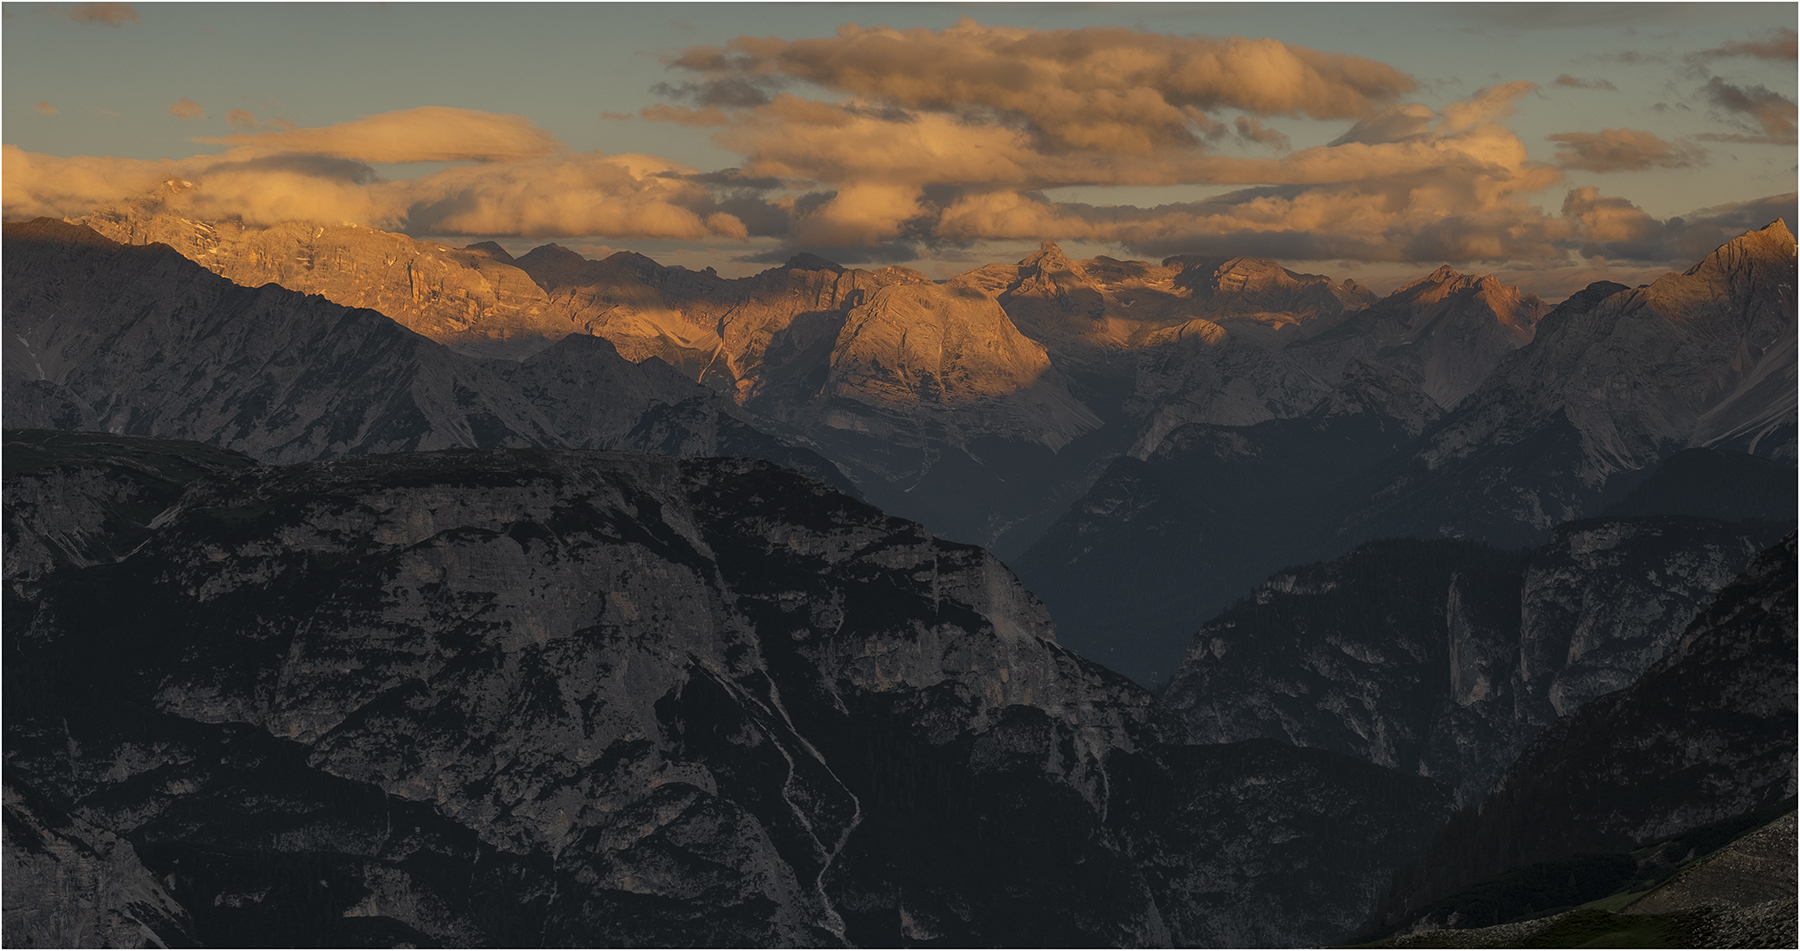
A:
(1784, 45)
(1252, 130)
(678, 115)
(1614, 228)
(568, 194)
(111, 14)
(1772, 111)
(1576, 82)
(424, 134)
(45, 108)
(1405, 183)
(1488, 104)
(883, 144)
(185, 108)
(524, 183)
(1623, 150)
(1395, 124)
(1098, 87)
(246, 122)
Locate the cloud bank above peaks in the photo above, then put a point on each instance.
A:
(523, 181)
(424, 134)
(884, 144)
(1113, 89)
(899, 160)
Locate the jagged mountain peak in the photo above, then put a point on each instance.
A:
(61, 232)
(1256, 273)
(492, 250)
(1773, 244)
(551, 252)
(806, 261)
(1050, 258)
(1444, 280)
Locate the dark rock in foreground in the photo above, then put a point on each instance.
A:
(539, 698)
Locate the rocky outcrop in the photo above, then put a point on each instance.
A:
(1445, 659)
(1081, 310)
(1706, 733)
(534, 697)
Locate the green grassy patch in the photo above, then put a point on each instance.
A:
(1617, 901)
(1595, 928)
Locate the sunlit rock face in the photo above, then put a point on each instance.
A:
(1080, 310)
(952, 356)
(469, 299)
(603, 698)
(1133, 350)
(140, 340)
(1445, 659)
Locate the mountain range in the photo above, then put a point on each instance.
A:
(367, 590)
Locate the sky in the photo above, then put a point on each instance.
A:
(1552, 144)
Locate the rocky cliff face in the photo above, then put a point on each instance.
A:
(544, 697)
(1445, 659)
(70, 884)
(1706, 734)
(79, 499)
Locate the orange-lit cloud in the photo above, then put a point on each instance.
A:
(1614, 228)
(1120, 90)
(110, 14)
(1493, 102)
(1252, 130)
(553, 193)
(1623, 150)
(1785, 44)
(246, 122)
(45, 108)
(425, 134)
(185, 108)
(887, 166)
(1405, 183)
(952, 136)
